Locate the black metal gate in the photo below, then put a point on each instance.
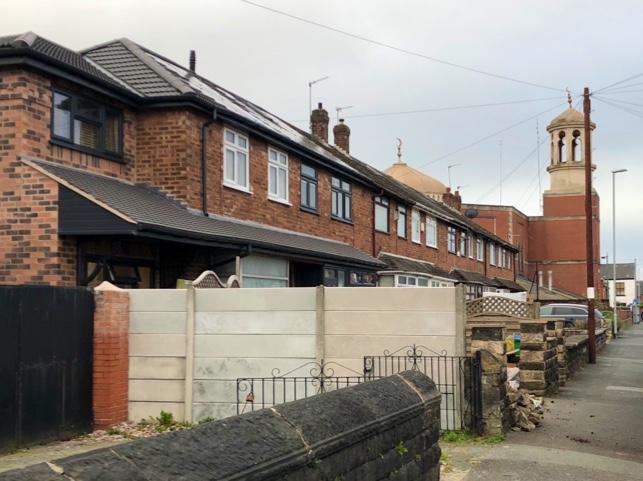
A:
(46, 336)
(313, 378)
(458, 378)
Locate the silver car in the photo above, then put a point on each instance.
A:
(574, 315)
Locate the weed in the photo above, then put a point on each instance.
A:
(401, 449)
(209, 419)
(165, 419)
(114, 431)
(460, 437)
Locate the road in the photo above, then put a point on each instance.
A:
(593, 428)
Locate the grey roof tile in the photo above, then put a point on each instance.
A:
(153, 211)
(623, 271)
(396, 263)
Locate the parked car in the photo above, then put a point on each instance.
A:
(574, 315)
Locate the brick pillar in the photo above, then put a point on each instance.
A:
(561, 353)
(111, 356)
(538, 358)
(490, 341)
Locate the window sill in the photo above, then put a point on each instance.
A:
(385, 232)
(416, 242)
(88, 151)
(339, 219)
(308, 210)
(432, 247)
(279, 201)
(240, 188)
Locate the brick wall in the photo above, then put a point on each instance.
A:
(111, 361)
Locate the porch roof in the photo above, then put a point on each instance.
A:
(94, 204)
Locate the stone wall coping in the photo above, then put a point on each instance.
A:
(264, 444)
(575, 341)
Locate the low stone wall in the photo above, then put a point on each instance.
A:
(384, 429)
(538, 357)
(575, 353)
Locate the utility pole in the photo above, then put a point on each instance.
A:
(591, 318)
(500, 146)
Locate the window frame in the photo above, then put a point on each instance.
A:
(343, 194)
(104, 109)
(416, 216)
(492, 254)
(619, 288)
(462, 244)
(480, 249)
(401, 214)
(383, 203)
(452, 241)
(284, 167)
(470, 245)
(309, 180)
(235, 148)
(430, 221)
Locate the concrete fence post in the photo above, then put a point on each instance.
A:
(111, 356)
(189, 351)
(460, 321)
(320, 324)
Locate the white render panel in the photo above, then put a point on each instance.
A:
(374, 323)
(156, 390)
(157, 300)
(244, 346)
(157, 322)
(389, 299)
(157, 345)
(231, 368)
(156, 368)
(353, 347)
(256, 322)
(272, 299)
(215, 410)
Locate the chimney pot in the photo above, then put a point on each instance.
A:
(342, 134)
(319, 123)
(192, 61)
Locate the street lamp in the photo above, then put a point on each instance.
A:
(615, 320)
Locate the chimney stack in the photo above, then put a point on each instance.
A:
(540, 278)
(192, 61)
(342, 134)
(550, 280)
(319, 123)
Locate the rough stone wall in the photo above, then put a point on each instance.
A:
(538, 358)
(385, 429)
(575, 354)
(111, 361)
(490, 341)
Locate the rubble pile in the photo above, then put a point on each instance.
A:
(525, 410)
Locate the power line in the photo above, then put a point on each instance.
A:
(399, 49)
(634, 112)
(441, 109)
(625, 102)
(615, 83)
(626, 86)
(619, 92)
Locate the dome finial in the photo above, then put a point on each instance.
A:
(399, 150)
(569, 98)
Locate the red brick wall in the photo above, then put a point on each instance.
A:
(111, 362)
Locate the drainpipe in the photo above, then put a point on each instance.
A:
(204, 162)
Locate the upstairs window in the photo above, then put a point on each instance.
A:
(463, 244)
(236, 160)
(277, 175)
(451, 239)
(87, 124)
(480, 249)
(470, 245)
(492, 254)
(431, 232)
(308, 188)
(381, 214)
(401, 221)
(341, 200)
(415, 226)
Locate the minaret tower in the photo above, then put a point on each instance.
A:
(567, 141)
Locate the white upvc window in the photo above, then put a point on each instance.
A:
(411, 281)
(277, 175)
(415, 226)
(480, 249)
(492, 254)
(431, 232)
(235, 164)
(463, 244)
(263, 271)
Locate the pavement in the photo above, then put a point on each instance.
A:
(593, 428)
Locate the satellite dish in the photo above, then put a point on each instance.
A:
(471, 213)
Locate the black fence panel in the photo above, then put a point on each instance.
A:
(46, 381)
(456, 377)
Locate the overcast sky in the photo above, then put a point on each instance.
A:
(269, 59)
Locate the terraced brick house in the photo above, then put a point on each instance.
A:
(119, 164)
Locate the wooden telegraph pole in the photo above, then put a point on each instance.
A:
(589, 215)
